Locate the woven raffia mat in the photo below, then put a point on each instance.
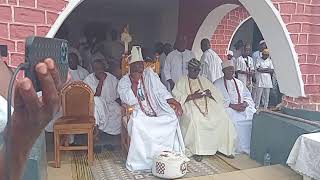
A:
(110, 165)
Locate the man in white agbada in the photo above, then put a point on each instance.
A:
(177, 62)
(153, 125)
(230, 56)
(265, 69)
(238, 104)
(106, 99)
(205, 126)
(77, 72)
(258, 54)
(211, 62)
(245, 68)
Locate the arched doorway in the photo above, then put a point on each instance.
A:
(277, 38)
(149, 21)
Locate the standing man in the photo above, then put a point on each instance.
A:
(205, 126)
(258, 54)
(245, 67)
(153, 126)
(264, 82)
(166, 49)
(211, 62)
(238, 104)
(177, 62)
(230, 56)
(114, 49)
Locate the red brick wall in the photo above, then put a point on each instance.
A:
(222, 36)
(22, 18)
(303, 22)
(302, 18)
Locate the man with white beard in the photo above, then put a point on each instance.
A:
(153, 126)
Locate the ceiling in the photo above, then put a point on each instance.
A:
(126, 7)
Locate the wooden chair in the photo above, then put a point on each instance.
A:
(125, 138)
(78, 108)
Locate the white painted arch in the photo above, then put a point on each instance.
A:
(72, 5)
(235, 32)
(209, 26)
(271, 25)
(273, 29)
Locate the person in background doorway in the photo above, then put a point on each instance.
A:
(255, 56)
(238, 104)
(177, 62)
(114, 49)
(230, 57)
(210, 61)
(238, 48)
(245, 68)
(258, 54)
(264, 68)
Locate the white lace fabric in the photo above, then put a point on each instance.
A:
(305, 155)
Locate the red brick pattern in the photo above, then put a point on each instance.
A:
(222, 35)
(302, 18)
(303, 23)
(22, 18)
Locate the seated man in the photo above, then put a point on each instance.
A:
(238, 104)
(107, 109)
(77, 72)
(153, 125)
(205, 125)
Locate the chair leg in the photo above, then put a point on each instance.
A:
(90, 146)
(57, 148)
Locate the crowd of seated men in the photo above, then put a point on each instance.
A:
(198, 107)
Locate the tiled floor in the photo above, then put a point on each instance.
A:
(276, 172)
(250, 170)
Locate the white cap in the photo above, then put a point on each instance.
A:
(230, 52)
(227, 63)
(136, 55)
(262, 41)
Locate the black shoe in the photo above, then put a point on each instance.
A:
(197, 158)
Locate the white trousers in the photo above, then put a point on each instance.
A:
(264, 93)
